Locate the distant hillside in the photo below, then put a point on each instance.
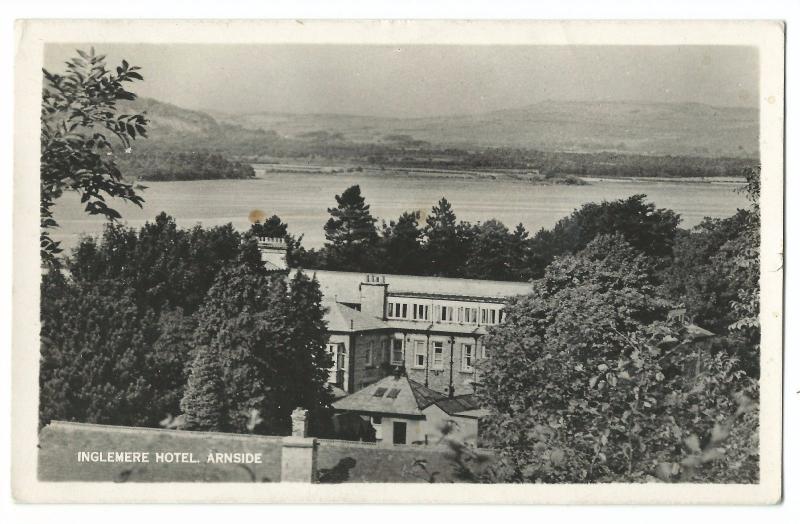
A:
(554, 139)
(632, 127)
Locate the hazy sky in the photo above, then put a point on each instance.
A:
(428, 80)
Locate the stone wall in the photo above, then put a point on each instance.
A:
(335, 461)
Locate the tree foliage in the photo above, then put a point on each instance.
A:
(646, 228)
(268, 337)
(95, 343)
(82, 135)
(350, 232)
(134, 295)
(586, 382)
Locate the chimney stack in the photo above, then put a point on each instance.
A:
(373, 295)
(273, 253)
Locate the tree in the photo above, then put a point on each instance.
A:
(350, 232)
(401, 249)
(444, 244)
(94, 347)
(650, 230)
(520, 257)
(269, 338)
(273, 227)
(587, 383)
(714, 272)
(82, 132)
(203, 402)
(489, 256)
(165, 266)
(152, 281)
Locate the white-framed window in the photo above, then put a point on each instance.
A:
(484, 316)
(493, 316)
(420, 311)
(467, 357)
(438, 355)
(445, 314)
(471, 315)
(501, 316)
(419, 354)
(368, 353)
(404, 311)
(397, 351)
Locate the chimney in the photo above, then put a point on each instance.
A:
(273, 253)
(373, 295)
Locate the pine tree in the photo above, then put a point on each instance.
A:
(443, 241)
(203, 403)
(401, 250)
(272, 227)
(350, 232)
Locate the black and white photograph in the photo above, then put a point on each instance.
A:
(397, 259)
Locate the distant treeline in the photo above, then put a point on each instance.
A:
(248, 145)
(148, 164)
(602, 164)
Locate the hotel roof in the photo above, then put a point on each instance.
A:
(391, 395)
(342, 286)
(343, 318)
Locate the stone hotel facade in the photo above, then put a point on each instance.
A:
(433, 327)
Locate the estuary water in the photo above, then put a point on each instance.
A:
(302, 200)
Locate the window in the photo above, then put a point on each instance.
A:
(397, 351)
(438, 355)
(461, 314)
(419, 354)
(467, 357)
(420, 311)
(368, 354)
(385, 350)
(500, 316)
(493, 316)
(379, 392)
(471, 315)
(405, 311)
(377, 419)
(484, 316)
(399, 432)
(446, 314)
(393, 393)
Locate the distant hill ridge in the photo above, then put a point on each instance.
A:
(632, 127)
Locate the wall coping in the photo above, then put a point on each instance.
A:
(177, 432)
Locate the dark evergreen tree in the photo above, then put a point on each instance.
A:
(520, 256)
(350, 233)
(401, 248)
(95, 343)
(167, 267)
(272, 227)
(489, 252)
(270, 338)
(444, 244)
(203, 404)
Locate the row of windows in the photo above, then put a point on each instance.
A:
(393, 351)
(460, 314)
